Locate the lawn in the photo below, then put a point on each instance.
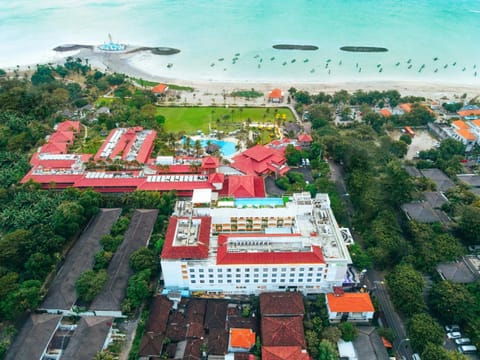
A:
(191, 119)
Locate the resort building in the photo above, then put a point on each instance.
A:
(462, 132)
(160, 89)
(130, 149)
(261, 160)
(249, 246)
(469, 112)
(353, 307)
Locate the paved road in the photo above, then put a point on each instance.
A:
(373, 279)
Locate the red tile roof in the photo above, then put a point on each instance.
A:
(198, 251)
(284, 353)
(62, 137)
(146, 149)
(57, 148)
(217, 178)
(476, 122)
(68, 125)
(283, 331)
(159, 89)
(241, 186)
(210, 162)
(275, 94)
(406, 107)
(242, 338)
(159, 312)
(350, 302)
(471, 112)
(281, 304)
(260, 160)
(459, 124)
(288, 257)
(385, 112)
(466, 134)
(305, 138)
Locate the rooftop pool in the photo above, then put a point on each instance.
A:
(250, 202)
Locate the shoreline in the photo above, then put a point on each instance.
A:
(128, 64)
(432, 90)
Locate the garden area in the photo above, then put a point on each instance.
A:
(205, 119)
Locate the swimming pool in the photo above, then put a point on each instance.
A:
(259, 202)
(227, 148)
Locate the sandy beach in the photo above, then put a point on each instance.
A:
(126, 63)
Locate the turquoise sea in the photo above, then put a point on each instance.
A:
(431, 40)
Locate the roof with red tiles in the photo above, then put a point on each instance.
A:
(466, 134)
(278, 257)
(260, 160)
(146, 149)
(242, 339)
(68, 125)
(350, 302)
(407, 107)
(283, 331)
(281, 304)
(47, 179)
(197, 251)
(275, 94)
(385, 112)
(62, 137)
(160, 88)
(305, 138)
(54, 148)
(217, 178)
(210, 162)
(284, 353)
(159, 312)
(476, 123)
(460, 124)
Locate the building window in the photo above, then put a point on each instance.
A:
(229, 275)
(219, 270)
(274, 275)
(264, 280)
(318, 279)
(192, 276)
(274, 280)
(282, 280)
(202, 276)
(265, 275)
(220, 276)
(247, 270)
(283, 275)
(193, 281)
(238, 270)
(229, 270)
(210, 281)
(191, 270)
(309, 280)
(237, 281)
(200, 270)
(301, 269)
(274, 269)
(210, 276)
(310, 269)
(255, 275)
(247, 275)
(256, 269)
(283, 269)
(229, 281)
(238, 275)
(210, 270)
(310, 274)
(255, 280)
(220, 281)
(247, 280)
(202, 281)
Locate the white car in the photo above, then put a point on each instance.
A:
(454, 335)
(450, 328)
(462, 341)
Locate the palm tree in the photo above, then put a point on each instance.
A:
(187, 144)
(198, 147)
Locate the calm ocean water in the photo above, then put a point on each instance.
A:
(435, 40)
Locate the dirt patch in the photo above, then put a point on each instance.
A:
(423, 140)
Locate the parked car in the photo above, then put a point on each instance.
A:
(450, 328)
(462, 341)
(454, 335)
(467, 349)
(474, 248)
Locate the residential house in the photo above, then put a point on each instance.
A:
(352, 307)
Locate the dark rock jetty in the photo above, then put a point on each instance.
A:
(363, 49)
(295, 47)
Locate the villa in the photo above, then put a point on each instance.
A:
(261, 160)
(276, 96)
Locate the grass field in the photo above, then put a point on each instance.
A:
(191, 119)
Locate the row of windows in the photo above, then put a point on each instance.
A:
(247, 276)
(256, 270)
(248, 281)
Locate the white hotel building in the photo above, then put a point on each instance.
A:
(264, 245)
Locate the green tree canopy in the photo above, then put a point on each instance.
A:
(406, 287)
(90, 283)
(423, 329)
(451, 302)
(143, 259)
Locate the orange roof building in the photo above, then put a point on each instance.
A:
(276, 96)
(469, 112)
(284, 353)
(241, 340)
(460, 124)
(406, 107)
(354, 307)
(160, 89)
(385, 112)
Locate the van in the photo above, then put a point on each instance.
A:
(416, 357)
(467, 349)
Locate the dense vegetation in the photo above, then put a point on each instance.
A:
(377, 185)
